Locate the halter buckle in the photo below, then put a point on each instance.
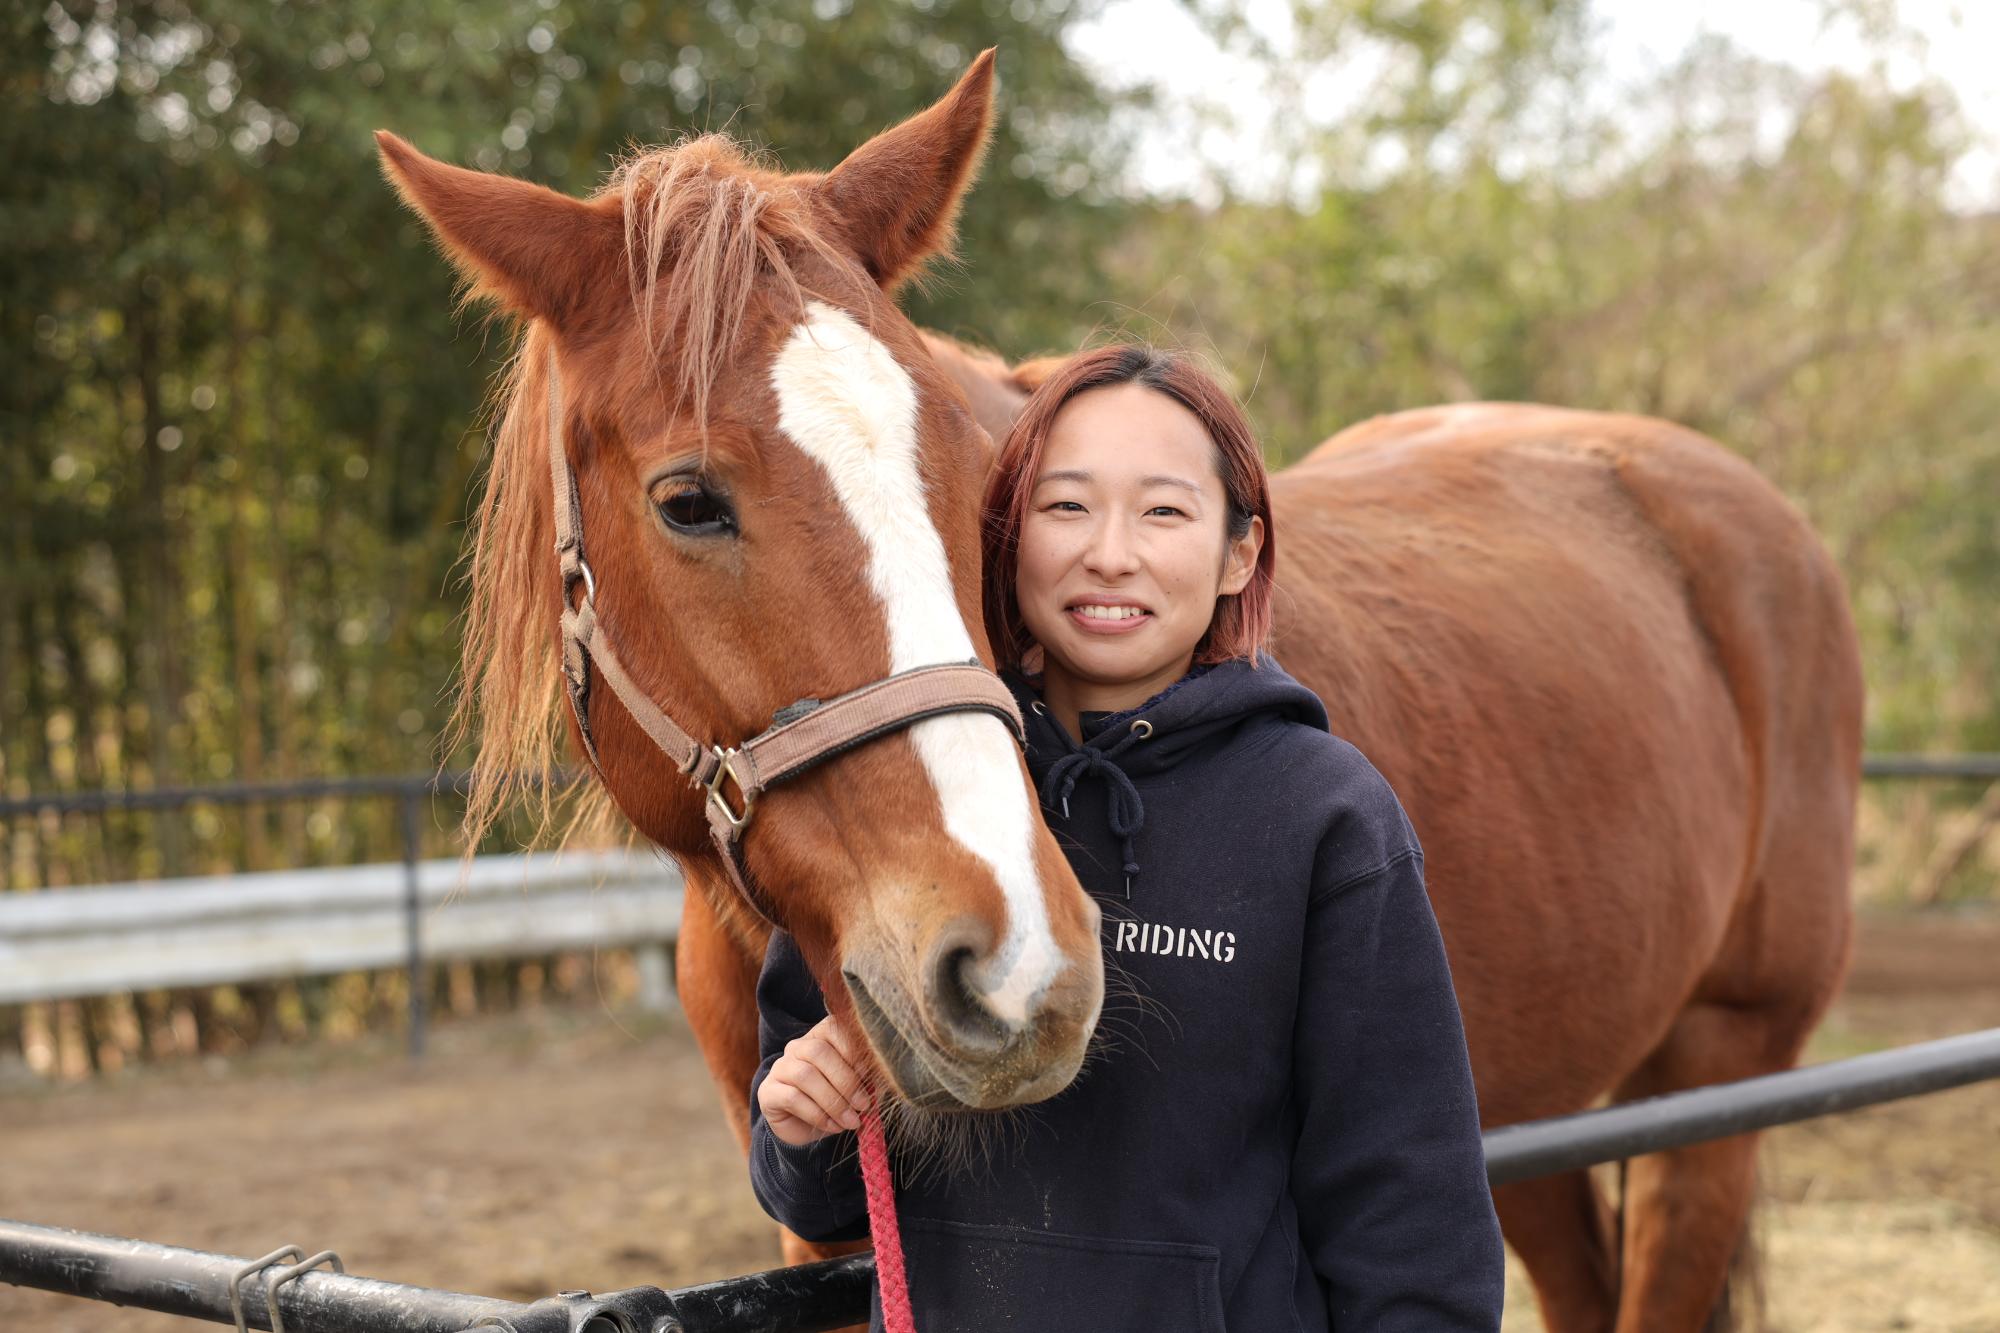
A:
(580, 574)
(725, 768)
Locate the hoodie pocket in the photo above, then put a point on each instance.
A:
(983, 1279)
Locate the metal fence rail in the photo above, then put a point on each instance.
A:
(218, 1287)
(836, 1293)
(227, 929)
(429, 784)
(228, 793)
(1631, 1129)
(1931, 766)
(410, 792)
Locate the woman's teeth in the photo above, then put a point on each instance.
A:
(1110, 612)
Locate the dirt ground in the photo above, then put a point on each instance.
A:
(582, 1149)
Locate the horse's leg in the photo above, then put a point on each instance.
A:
(1776, 970)
(717, 968)
(1561, 1229)
(717, 973)
(1688, 1210)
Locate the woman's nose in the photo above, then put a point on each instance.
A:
(1111, 551)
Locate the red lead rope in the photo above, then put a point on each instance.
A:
(889, 1274)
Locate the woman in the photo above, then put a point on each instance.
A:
(1281, 1133)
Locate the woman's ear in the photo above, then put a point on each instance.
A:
(1239, 558)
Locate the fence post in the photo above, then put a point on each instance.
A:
(656, 978)
(412, 801)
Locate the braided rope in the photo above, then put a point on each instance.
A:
(889, 1272)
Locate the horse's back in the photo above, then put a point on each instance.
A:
(1609, 669)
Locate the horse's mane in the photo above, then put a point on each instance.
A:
(711, 222)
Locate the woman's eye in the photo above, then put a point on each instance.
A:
(1066, 507)
(689, 506)
(1166, 509)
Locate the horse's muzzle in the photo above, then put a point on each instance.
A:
(948, 1050)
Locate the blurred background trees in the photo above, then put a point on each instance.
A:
(241, 422)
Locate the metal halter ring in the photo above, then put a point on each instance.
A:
(589, 580)
(725, 768)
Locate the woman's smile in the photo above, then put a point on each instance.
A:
(1107, 615)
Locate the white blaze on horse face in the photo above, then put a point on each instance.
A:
(849, 404)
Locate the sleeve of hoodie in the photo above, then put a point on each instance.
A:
(815, 1190)
(1390, 1175)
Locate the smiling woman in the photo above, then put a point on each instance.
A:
(1128, 531)
(1282, 1133)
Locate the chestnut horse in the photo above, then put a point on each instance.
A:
(1609, 670)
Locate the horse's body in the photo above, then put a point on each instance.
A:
(1608, 669)
(1612, 675)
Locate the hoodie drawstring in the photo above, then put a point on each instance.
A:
(1127, 812)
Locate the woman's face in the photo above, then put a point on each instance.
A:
(1126, 547)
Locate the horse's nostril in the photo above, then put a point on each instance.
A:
(956, 1004)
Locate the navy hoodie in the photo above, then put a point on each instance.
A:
(1281, 1132)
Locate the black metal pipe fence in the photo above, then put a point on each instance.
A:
(835, 1293)
(1931, 766)
(308, 1298)
(1723, 1110)
(409, 787)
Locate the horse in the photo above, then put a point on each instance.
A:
(1608, 668)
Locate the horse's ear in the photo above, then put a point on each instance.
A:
(896, 197)
(1029, 375)
(534, 250)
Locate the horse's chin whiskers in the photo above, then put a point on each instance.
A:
(1122, 991)
(936, 1145)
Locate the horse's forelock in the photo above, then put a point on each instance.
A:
(704, 225)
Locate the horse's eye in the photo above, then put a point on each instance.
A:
(689, 506)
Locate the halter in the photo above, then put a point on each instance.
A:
(801, 734)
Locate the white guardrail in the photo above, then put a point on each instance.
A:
(97, 940)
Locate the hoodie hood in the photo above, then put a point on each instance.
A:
(1203, 709)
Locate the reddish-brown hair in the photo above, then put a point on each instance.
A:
(1242, 621)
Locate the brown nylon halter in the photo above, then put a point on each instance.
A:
(801, 735)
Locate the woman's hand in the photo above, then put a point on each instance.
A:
(814, 1089)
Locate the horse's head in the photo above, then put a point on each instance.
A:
(780, 492)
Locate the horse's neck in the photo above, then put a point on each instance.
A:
(987, 382)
